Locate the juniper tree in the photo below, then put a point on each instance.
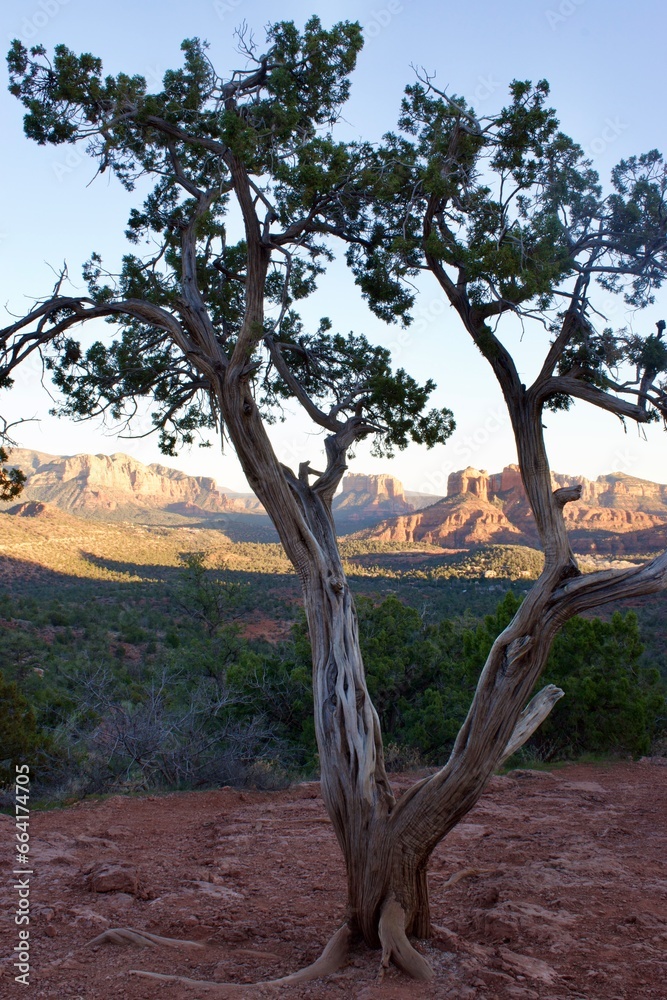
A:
(11, 480)
(511, 220)
(207, 327)
(19, 735)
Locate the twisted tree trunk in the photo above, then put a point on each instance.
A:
(387, 890)
(386, 843)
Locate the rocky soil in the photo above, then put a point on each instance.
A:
(554, 887)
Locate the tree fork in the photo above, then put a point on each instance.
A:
(386, 843)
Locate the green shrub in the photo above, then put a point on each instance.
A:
(611, 703)
(19, 735)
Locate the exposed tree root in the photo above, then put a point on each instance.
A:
(331, 959)
(497, 956)
(395, 944)
(464, 873)
(129, 935)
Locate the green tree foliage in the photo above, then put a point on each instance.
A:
(611, 703)
(422, 678)
(211, 597)
(263, 137)
(511, 219)
(228, 698)
(11, 480)
(422, 685)
(19, 734)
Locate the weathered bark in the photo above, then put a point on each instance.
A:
(355, 787)
(354, 783)
(386, 845)
(531, 719)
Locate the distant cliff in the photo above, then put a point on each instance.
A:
(119, 486)
(617, 513)
(380, 495)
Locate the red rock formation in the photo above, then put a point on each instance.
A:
(379, 489)
(617, 513)
(99, 484)
(469, 481)
(367, 496)
(510, 479)
(455, 522)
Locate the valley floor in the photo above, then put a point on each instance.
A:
(562, 894)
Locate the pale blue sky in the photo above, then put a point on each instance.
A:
(605, 62)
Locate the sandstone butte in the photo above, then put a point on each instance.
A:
(377, 494)
(617, 513)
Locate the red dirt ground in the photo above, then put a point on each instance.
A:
(569, 899)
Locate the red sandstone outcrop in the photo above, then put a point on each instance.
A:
(618, 490)
(455, 522)
(102, 484)
(363, 496)
(469, 481)
(617, 513)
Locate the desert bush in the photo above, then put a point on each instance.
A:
(401, 758)
(612, 704)
(157, 741)
(23, 740)
(421, 672)
(422, 677)
(209, 595)
(20, 737)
